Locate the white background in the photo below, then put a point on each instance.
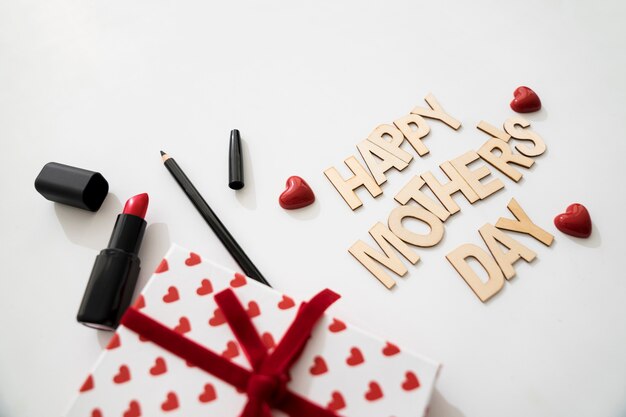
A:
(106, 85)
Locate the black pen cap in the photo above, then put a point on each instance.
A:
(235, 162)
(72, 186)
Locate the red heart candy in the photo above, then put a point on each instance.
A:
(163, 266)
(133, 409)
(194, 259)
(297, 195)
(374, 392)
(159, 367)
(390, 349)
(205, 287)
(575, 221)
(170, 403)
(208, 394)
(87, 385)
(319, 366)
(268, 340)
(183, 325)
(337, 402)
(114, 342)
(231, 350)
(238, 281)
(96, 412)
(122, 375)
(525, 101)
(355, 358)
(218, 318)
(411, 382)
(253, 309)
(140, 303)
(172, 295)
(336, 326)
(286, 303)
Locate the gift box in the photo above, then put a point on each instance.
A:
(202, 340)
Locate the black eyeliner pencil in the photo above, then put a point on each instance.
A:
(205, 211)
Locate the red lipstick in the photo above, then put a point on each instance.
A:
(115, 271)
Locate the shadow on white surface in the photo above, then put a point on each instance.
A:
(88, 229)
(305, 213)
(593, 241)
(439, 407)
(156, 242)
(247, 195)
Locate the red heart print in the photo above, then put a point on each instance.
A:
(231, 350)
(218, 318)
(159, 367)
(133, 409)
(411, 382)
(575, 221)
(172, 295)
(525, 101)
(208, 394)
(122, 375)
(87, 385)
(337, 326)
(238, 281)
(183, 325)
(143, 338)
(140, 303)
(319, 366)
(297, 195)
(268, 340)
(390, 349)
(114, 342)
(253, 309)
(286, 303)
(170, 403)
(163, 266)
(337, 402)
(205, 287)
(194, 259)
(96, 412)
(355, 358)
(374, 393)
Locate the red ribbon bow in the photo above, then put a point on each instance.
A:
(266, 385)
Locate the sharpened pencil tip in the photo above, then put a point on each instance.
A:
(162, 153)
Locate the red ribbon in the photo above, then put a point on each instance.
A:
(266, 384)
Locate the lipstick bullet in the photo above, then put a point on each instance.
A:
(115, 271)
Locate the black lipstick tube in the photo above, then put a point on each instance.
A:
(114, 275)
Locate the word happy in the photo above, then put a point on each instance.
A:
(381, 152)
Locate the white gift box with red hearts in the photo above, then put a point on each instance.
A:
(341, 368)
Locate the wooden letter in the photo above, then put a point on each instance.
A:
(444, 192)
(411, 191)
(436, 112)
(483, 290)
(371, 258)
(412, 211)
(539, 146)
(493, 237)
(387, 160)
(501, 162)
(414, 136)
(493, 131)
(392, 146)
(523, 224)
(346, 187)
(473, 177)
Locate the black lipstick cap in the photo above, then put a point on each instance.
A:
(72, 186)
(235, 162)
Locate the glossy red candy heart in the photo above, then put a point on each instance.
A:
(525, 101)
(575, 221)
(297, 195)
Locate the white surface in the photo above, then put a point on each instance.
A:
(105, 85)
